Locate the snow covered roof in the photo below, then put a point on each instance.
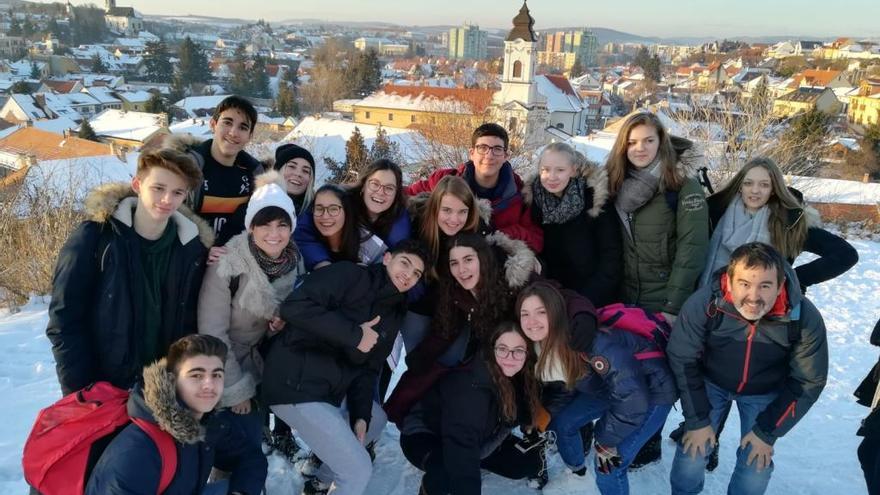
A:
(58, 126)
(326, 138)
(77, 176)
(103, 94)
(134, 126)
(48, 145)
(196, 105)
(198, 127)
(28, 106)
(430, 99)
(561, 97)
(135, 96)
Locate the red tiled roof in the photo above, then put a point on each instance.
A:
(562, 83)
(51, 146)
(60, 86)
(823, 78)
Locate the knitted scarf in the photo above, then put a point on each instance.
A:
(275, 267)
(558, 210)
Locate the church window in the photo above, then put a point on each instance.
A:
(517, 69)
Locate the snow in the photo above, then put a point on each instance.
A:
(818, 457)
(192, 105)
(198, 127)
(384, 100)
(818, 190)
(557, 100)
(135, 126)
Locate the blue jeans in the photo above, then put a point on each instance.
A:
(688, 473)
(584, 408)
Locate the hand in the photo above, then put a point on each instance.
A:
(215, 253)
(369, 337)
(607, 459)
(696, 440)
(360, 430)
(276, 324)
(670, 318)
(243, 407)
(761, 452)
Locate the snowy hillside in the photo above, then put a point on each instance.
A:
(817, 458)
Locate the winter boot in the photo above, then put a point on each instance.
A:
(538, 481)
(649, 454)
(713, 458)
(315, 487)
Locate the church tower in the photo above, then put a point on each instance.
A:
(518, 105)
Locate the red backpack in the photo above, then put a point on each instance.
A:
(56, 454)
(636, 320)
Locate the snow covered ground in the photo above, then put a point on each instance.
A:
(817, 457)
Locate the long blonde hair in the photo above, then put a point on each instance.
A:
(787, 239)
(618, 163)
(429, 231)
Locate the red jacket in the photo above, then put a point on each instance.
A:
(509, 212)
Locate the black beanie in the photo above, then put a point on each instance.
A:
(287, 152)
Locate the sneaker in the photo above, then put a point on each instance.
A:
(649, 454)
(310, 466)
(315, 487)
(286, 445)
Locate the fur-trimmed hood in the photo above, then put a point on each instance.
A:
(519, 263)
(417, 204)
(160, 403)
(117, 200)
(182, 142)
(257, 296)
(689, 157)
(596, 178)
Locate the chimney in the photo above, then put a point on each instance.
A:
(31, 160)
(28, 123)
(866, 178)
(66, 133)
(117, 150)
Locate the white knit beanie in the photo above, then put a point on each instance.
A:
(270, 192)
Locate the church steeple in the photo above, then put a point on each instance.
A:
(523, 26)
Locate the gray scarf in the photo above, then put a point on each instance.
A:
(736, 227)
(639, 186)
(560, 210)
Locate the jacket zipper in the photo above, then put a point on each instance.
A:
(745, 374)
(789, 411)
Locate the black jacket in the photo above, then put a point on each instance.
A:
(462, 408)
(131, 464)
(584, 254)
(94, 321)
(315, 358)
(836, 256)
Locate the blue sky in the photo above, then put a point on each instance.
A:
(664, 18)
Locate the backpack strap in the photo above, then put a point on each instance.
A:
(167, 451)
(704, 180)
(794, 325)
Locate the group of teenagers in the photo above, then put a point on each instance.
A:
(230, 294)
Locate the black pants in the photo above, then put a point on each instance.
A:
(869, 458)
(424, 451)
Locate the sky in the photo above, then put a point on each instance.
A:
(662, 18)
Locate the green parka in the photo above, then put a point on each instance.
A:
(665, 248)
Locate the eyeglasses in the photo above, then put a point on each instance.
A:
(332, 210)
(484, 148)
(503, 352)
(374, 186)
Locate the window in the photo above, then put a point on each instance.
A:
(517, 69)
(390, 116)
(366, 115)
(412, 119)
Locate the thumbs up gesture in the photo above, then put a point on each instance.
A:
(369, 337)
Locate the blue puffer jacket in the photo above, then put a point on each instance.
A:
(629, 385)
(131, 464)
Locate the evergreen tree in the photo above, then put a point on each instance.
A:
(156, 104)
(27, 28)
(86, 131)
(35, 71)
(356, 158)
(365, 73)
(259, 79)
(55, 29)
(291, 74)
(98, 66)
(20, 87)
(14, 27)
(285, 103)
(650, 65)
(178, 89)
(240, 83)
(193, 66)
(384, 148)
(157, 62)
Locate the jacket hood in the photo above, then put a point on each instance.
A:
(520, 262)
(258, 296)
(689, 157)
(417, 204)
(596, 178)
(157, 401)
(118, 200)
(182, 142)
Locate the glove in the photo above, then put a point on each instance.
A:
(607, 459)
